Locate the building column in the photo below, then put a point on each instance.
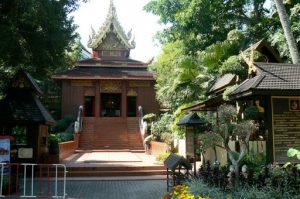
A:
(124, 100)
(97, 99)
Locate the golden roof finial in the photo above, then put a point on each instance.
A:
(252, 68)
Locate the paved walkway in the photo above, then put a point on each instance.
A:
(132, 189)
(104, 159)
(121, 187)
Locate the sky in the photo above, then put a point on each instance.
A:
(130, 15)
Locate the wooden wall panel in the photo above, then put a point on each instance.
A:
(146, 98)
(72, 98)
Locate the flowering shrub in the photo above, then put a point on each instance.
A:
(182, 192)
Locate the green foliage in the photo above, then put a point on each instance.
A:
(200, 188)
(178, 115)
(228, 91)
(53, 138)
(62, 124)
(39, 35)
(227, 114)
(149, 117)
(254, 161)
(234, 65)
(214, 55)
(65, 136)
(277, 38)
(162, 157)
(178, 76)
(294, 152)
(161, 129)
(209, 140)
(251, 113)
(201, 23)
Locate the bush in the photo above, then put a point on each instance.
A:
(149, 117)
(63, 124)
(162, 126)
(53, 140)
(251, 113)
(65, 137)
(162, 157)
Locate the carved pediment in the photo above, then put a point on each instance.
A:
(111, 42)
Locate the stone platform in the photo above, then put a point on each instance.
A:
(117, 164)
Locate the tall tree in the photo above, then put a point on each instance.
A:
(201, 23)
(35, 34)
(286, 25)
(178, 77)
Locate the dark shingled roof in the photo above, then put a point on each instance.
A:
(191, 119)
(222, 82)
(102, 72)
(109, 62)
(23, 107)
(209, 104)
(271, 79)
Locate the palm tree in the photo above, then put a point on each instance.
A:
(285, 22)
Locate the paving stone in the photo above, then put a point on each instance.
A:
(133, 189)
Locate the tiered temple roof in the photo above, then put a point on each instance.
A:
(111, 24)
(110, 60)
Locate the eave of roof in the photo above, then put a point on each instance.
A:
(61, 77)
(210, 104)
(221, 83)
(110, 62)
(271, 79)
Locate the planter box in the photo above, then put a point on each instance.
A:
(158, 147)
(68, 148)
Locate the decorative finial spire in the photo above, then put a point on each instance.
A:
(93, 33)
(252, 68)
(112, 8)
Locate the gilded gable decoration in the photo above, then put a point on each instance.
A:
(111, 25)
(89, 92)
(111, 86)
(139, 84)
(81, 83)
(132, 92)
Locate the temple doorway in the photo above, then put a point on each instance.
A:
(111, 104)
(131, 106)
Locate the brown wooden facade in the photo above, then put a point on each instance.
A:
(111, 87)
(75, 91)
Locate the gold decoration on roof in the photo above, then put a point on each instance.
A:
(96, 39)
(250, 62)
(111, 86)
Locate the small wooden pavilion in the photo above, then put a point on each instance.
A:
(275, 89)
(24, 118)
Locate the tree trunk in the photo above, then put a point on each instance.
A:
(285, 22)
(237, 174)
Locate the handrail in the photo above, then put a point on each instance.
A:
(142, 123)
(78, 122)
(141, 120)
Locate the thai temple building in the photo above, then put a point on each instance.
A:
(111, 87)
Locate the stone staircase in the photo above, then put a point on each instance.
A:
(110, 133)
(86, 137)
(134, 136)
